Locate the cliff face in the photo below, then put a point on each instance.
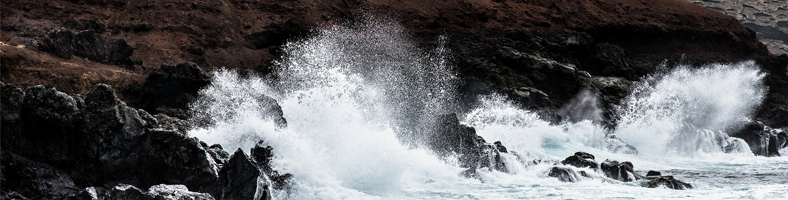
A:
(75, 44)
(768, 18)
(246, 34)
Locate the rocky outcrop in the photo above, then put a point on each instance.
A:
(619, 171)
(87, 44)
(763, 140)
(55, 144)
(655, 179)
(452, 138)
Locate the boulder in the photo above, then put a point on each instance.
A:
(111, 129)
(564, 173)
(669, 182)
(623, 171)
(174, 158)
(581, 160)
(238, 179)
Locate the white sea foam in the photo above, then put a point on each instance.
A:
(356, 95)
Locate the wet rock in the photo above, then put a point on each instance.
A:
(581, 160)
(238, 179)
(500, 147)
(451, 137)
(217, 153)
(565, 174)
(87, 44)
(734, 145)
(652, 173)
(262, 155)
(762, 139)
(618, 171)
(669, 182)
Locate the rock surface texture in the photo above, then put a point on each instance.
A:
(57, 145)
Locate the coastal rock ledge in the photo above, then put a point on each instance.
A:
(93, 146)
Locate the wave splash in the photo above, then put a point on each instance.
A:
(357, 97)
(688, 110)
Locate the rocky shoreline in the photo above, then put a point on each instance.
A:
(89, 140)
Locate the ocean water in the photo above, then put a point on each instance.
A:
(355, 96)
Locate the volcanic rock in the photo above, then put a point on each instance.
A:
(581, 160)
(619, 171)
(95, 139)
(669, 182)
(87, 44)
(238, 179)
(169, 89)
(451, 137)
(763, 140)
(34, 179)
(262, 155)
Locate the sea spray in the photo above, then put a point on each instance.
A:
(351, 94)
(354, 94)
(686, 110)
